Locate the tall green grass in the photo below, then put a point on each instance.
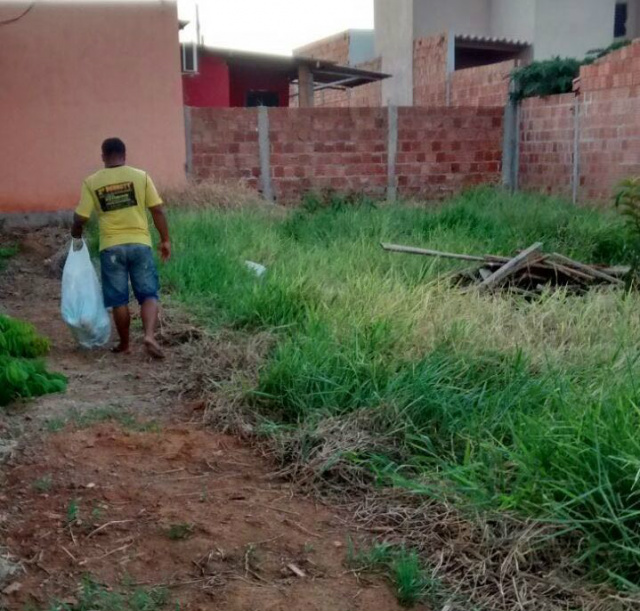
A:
(498, 403)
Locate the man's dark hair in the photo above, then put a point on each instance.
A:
(113, 147)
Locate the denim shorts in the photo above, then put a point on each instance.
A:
(119, 264)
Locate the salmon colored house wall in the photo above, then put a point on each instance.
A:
(73, 74)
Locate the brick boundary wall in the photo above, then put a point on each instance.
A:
(547, 144)
(438, 151)
(434, 85)
(599, 147)
(482, 86)
(430, 70)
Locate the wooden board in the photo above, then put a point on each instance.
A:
(512, 266)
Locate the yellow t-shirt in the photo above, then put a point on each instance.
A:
(120, 197)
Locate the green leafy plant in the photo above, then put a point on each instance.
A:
(627, 200)
(553, 76)
(542, 78)
(596, 54)
(73, 511)
(19, 339)
(26, 378)
(21, 375)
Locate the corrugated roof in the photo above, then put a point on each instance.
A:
(324, 71)
(492, 40)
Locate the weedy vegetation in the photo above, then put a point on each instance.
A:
(43, 484)
(491, 403)
(86, 418)
(402, 567)
(179, 531)
(93, 596)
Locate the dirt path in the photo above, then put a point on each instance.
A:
(112, 479)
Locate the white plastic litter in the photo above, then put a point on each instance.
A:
(259, 270)
(82, 306)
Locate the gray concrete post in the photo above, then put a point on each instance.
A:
(264, 146)
(392, 152)
(451, 65)
(511, 145)
(188, 142)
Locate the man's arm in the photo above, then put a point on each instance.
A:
(78, 226)
(81, 216)
(160, 221)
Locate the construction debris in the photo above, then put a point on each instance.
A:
(528, 272)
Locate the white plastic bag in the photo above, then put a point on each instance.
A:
(257, 268)
(82, 305)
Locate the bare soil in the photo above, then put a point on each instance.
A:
(171, 504)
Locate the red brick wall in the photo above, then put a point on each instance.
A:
(609, 122)
(609, 131)
(443, 150)
(482, 86)
(546, 144)
(333, 48)
(328, 148)
(224, 144)
(430, 70)
(440, 150)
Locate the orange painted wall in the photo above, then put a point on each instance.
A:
(72, 74)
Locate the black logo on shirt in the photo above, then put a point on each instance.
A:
(117, 197)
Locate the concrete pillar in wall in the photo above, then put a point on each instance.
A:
(511, 145)
(264, 148)
(305, 86)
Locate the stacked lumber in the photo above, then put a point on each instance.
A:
(528, 272)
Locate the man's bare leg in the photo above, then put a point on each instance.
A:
(149, 314)
(122, 319)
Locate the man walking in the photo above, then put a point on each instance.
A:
(120, 195)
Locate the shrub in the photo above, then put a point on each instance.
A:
(553, 76)
(21, 375)
(544, 78)
(19, 339)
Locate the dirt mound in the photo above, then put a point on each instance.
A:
(179, 507)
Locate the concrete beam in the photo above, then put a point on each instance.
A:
(511, 145)
(305, 87)
(264, 146)
(392, 151)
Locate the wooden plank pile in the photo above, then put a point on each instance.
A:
(528, 272)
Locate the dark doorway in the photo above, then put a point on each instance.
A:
(263, 98)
